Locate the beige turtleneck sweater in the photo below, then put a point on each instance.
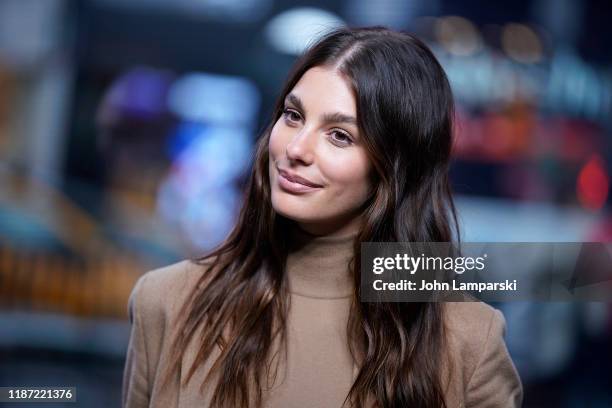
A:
(319, 370)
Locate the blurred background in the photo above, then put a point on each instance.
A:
(127, 128)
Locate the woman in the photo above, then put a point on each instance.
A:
(358, 150)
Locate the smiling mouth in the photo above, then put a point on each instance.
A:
(290, 184)
(296, 178)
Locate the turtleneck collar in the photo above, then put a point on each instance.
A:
(318, 265)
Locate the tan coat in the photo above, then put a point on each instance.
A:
(484, 374)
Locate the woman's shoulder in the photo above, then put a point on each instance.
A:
(476, 333)
(470, 325)
(159, 293)
(470, 318)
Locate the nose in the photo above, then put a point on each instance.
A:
(301, 147)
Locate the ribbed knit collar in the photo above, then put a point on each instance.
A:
(318, 266)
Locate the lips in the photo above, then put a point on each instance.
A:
(293, 184)
(298, 179)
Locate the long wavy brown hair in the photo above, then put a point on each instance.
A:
(240, 304)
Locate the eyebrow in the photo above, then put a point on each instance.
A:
(335, 117)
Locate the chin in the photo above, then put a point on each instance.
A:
(299, 212)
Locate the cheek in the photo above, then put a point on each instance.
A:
(349, 175)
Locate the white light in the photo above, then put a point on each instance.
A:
(218, 99)
(292, 31)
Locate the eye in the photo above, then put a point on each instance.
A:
(340, 137)
(291, 115)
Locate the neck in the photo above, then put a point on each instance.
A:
(318, 265)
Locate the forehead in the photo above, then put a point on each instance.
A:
(325, 90)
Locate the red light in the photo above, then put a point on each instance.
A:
(593, 184)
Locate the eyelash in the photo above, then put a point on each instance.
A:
(288, 112)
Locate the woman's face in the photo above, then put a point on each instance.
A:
(317, 139)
